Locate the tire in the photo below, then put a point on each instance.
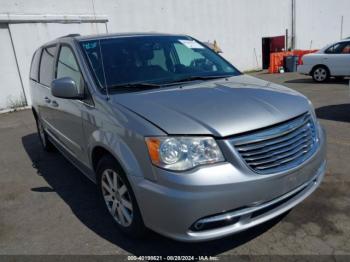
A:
(320, 74)
(45, 142)
(118, 197)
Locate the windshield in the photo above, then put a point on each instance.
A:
(152, 59)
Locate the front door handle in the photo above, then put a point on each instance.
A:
(54, 103)
(47, 100)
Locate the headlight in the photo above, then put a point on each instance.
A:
(182, 153)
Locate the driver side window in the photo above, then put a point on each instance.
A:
(67, 66)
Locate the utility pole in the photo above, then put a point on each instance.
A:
(341, 27)
(292, 37)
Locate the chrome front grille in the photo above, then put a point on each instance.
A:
(278, 148)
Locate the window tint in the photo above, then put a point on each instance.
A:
(34, 68)
(46, 65)
(346, 49)
(158, 59)
(186, 55)
(335, 49)
(67, 66)
(155, 59)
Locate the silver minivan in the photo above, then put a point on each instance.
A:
(176, 138)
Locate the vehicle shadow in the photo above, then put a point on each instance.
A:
(310, 81)
(334, 112)
(81, 196)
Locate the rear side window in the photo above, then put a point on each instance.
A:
(346, 49)
(34, 68)
(46, 65)
(335, 49)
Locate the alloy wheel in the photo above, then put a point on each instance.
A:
(320, 74)
(117, 197)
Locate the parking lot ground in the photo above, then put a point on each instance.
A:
(48, 207)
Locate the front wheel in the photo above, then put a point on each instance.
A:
(119, 198)
(320, 74)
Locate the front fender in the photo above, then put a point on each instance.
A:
(118, 148)
(122, 133)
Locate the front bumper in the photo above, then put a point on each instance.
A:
(174, 204)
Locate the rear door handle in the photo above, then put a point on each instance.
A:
(54, 103)
(47, 100)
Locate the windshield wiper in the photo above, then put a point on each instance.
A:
(138, 86)
(194, 78)
(145, 85)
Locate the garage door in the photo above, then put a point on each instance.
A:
(11, 92)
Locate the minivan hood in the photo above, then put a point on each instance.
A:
(218, 107)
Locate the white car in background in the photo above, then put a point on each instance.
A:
(331, 61)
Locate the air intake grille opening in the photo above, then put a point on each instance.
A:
(202, 226)
(280, 147)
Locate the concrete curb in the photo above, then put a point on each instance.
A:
(4, 111)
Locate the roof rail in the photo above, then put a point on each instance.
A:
(70, 35)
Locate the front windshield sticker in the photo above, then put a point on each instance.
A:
(89, 45)
(191, 44)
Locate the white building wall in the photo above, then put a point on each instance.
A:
(237, 25)
(318, 22)
(11, 93)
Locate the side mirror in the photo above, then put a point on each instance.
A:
(65, 87)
